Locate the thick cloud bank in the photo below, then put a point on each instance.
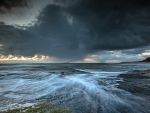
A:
(74, 29)
(7, 5)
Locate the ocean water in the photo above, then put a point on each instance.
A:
(83, 87)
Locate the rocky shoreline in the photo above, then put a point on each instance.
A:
(78, 90)
(137, 82)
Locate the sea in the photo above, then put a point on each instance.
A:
(83, 87)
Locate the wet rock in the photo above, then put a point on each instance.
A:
(137, 82)
(1, 75)
(62, 73)
(136, 74)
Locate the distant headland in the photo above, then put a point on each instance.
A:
(146, 60)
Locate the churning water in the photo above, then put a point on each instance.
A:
(82, 87)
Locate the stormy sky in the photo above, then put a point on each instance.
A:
(74, 30)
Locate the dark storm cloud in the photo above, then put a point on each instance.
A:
(7, 5)
(113, 24)
(136, 50)
(72, 30)
(59, 37)
(14, 41)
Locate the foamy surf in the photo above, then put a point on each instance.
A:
(80, 89)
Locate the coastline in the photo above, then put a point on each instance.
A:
(136, 82)
(80, 86)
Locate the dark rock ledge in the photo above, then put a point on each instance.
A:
(137, 82)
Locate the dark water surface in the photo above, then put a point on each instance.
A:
(83, 87)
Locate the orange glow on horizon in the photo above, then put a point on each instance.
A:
(23, 58)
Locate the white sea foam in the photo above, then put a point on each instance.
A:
(95, 88)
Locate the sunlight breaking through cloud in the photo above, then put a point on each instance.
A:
(22, 58)
(146, 53)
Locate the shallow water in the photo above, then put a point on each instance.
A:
(83, 87)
